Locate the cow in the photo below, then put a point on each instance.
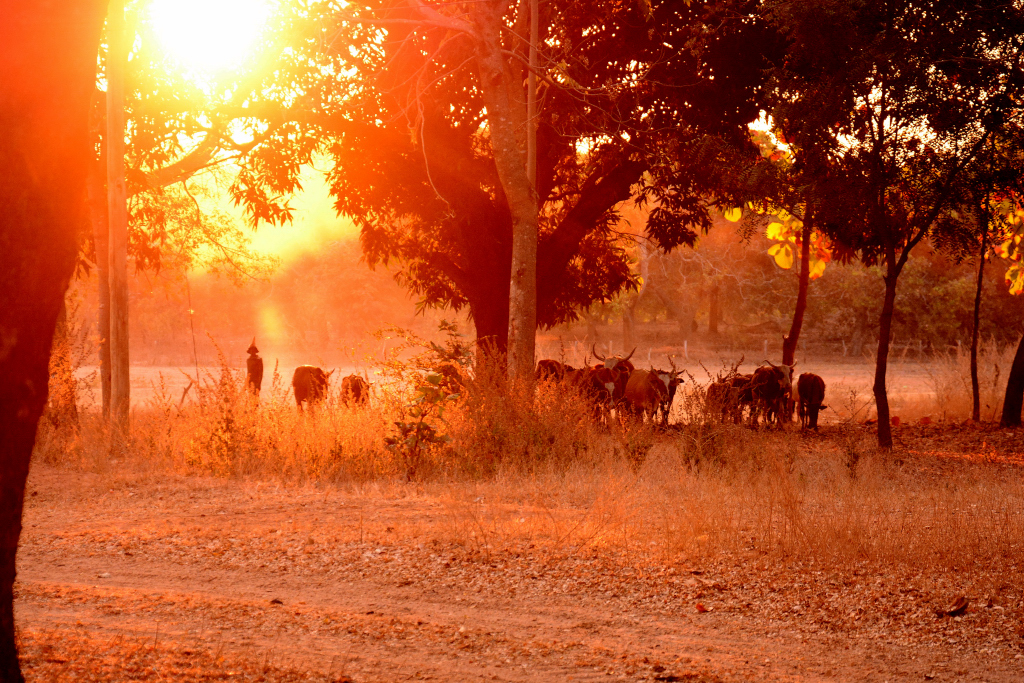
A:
(355, 390)
(253, 369)
(771, 388)
(620, 363)
(672, 381)
(597, 386)
(726, 398)
(810, 392)
(548, 369)
(645, 394)
(310, 385)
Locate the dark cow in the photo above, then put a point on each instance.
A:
(726, 398)
(355, 391)
(310, 384)
(810, 393)
(672, 381)
(771, 388)
(552, 370)
(645, 393)
(253, 369)
(596, 386)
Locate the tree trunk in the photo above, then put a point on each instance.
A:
(97, 194)
(714, 311)
(63, 389)
(789, 342)
(47, 71)
(120, 384)
(510, 162)
(975, 387)
(882, 359)
(1013, 401)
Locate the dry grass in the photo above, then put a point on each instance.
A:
(695, 490)
(950, 378)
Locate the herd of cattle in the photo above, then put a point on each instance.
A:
(615, 384)
(768, 393)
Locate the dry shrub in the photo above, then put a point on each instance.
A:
(949, 375)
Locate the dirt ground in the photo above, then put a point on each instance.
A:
(156, 577)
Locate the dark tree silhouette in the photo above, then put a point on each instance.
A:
(905, 95)
(632, 104)
(47, 70)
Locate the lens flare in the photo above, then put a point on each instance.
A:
(207, 36)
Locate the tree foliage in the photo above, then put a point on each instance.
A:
(634, 103)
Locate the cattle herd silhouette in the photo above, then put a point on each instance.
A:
(615, 384)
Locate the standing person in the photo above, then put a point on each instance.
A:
(253, 369)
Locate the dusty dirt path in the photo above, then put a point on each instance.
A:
(248, 580)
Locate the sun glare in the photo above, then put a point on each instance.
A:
(208, 35)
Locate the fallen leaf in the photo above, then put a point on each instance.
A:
(958, 607)
(701, 608)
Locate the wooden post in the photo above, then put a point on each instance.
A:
(117, 58)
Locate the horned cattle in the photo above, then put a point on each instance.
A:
(548, 369)
(672, 381)
(726, 398)
(310, 385)
(771, 388)
(620, 363)
(810, 393)
(355, 390)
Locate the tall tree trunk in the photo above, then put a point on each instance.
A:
(975, 386)
(120, 384)
(47, 71)
(510, 162)
(1013, 401)
(714, 310)
(97, 194)
(789, 342)
(882, 359)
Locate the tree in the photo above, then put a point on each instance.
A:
(47, 67)
(904, 96)
(628, 108)
(790, 184)
(982, 222)
(1011, 211)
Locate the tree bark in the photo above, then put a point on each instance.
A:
(1013, 401)
(789, 342)
(47, 71)
(120, 384)
(97, 194)
(510, 162)
(882, 359)
(975, 385)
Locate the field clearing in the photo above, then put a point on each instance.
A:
(911, 385)
(787, 569)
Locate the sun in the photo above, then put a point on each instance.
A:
(207, 36)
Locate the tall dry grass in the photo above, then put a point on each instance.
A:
(513, 468)
(950, 378)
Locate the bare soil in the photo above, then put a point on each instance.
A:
(157, 577)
